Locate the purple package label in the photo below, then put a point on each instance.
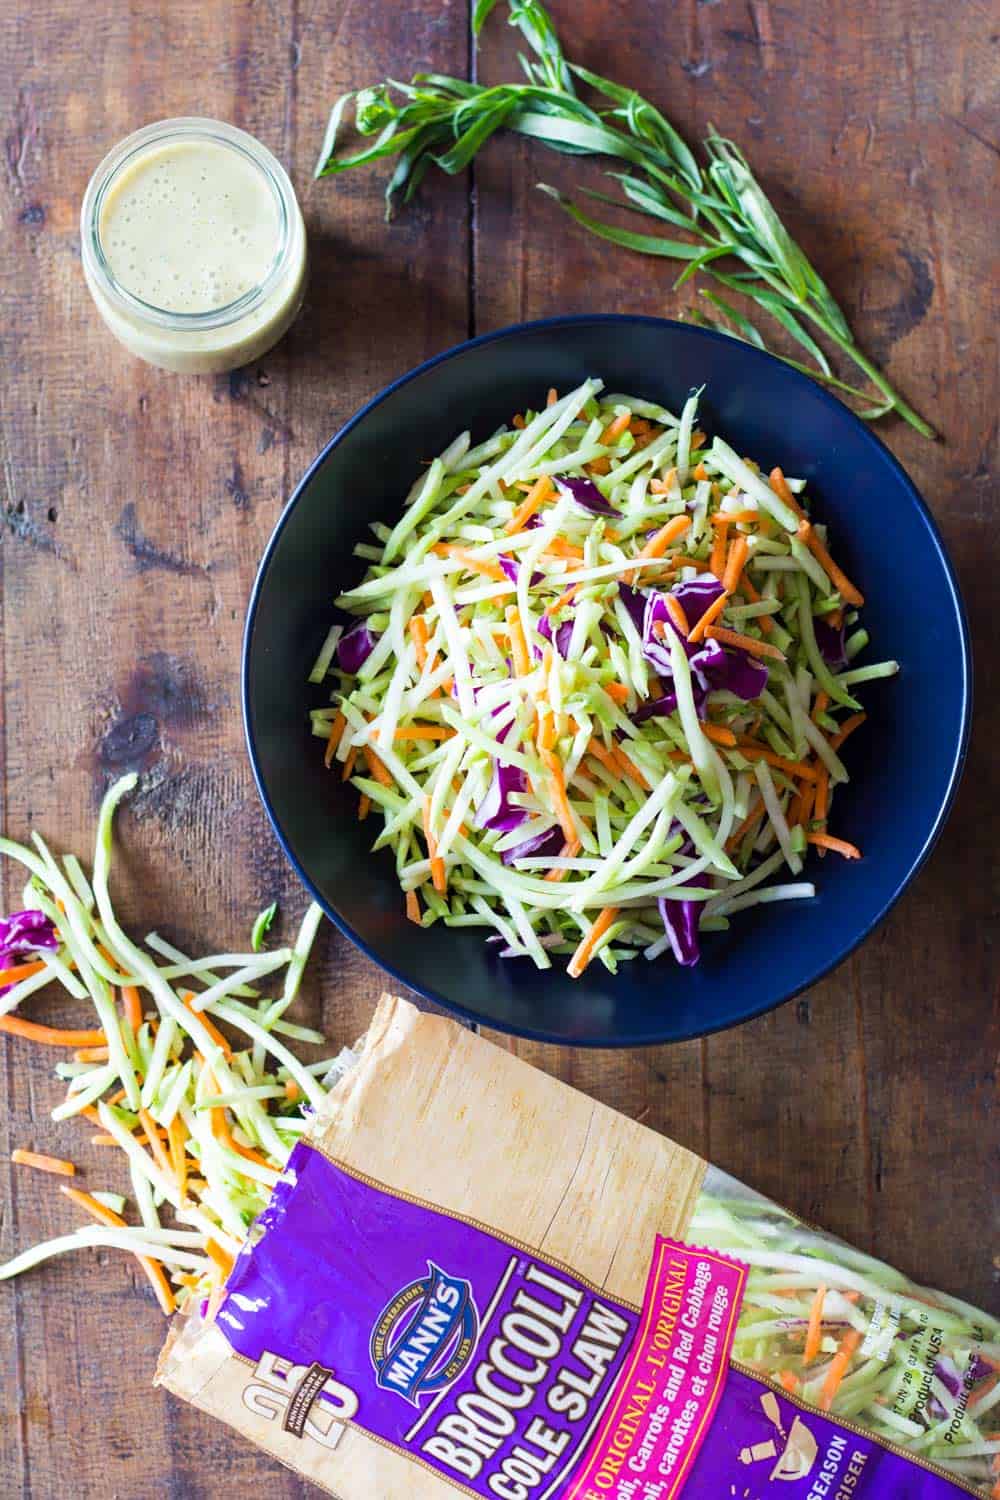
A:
(471, 1354)
(512, 1377)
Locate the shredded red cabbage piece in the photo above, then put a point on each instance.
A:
(560, 638)
(587, 495)
(24, 932)
(712, 667)
(830, 641)
(354, 647)
(550, 841)
(496, 811)
(512, 568)
(681, 918)
(680, 921)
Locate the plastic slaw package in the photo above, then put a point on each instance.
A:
(473, 1279)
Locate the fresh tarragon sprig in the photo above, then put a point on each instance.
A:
(734, 234)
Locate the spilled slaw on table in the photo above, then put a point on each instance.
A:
(189, 1067)
(597, 684)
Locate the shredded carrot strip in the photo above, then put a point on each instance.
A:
(585, 952)
(91, 1054)
(518, 646)
(219, 1256)
(617, 690)
(983, 1389)
(697, 439)
(210, 1027)
(43, 1163)
(132, 1006)
(559, 548)
(601, 752)
(630, 768)
(735, 562)
(717, 556)
(660, 541)
(733, 517)
(664, 485)
(563, 600)
(718, 733)
(569, 850)
(552, 397)
(533, 500)
(779, 485)
(50, 1036)
(600, 465)
(798, 768)
(419, 635)
(222, 1129)
(176, 1137)
(675, 610)
(744, 642)
(155, 1143)
(699, 472)
(711, 614)
(751, 820)
(377, 769)
(364, 806)
(413, 907)
(423, 732)
(789, 1381)
(336, 730)
(559, 797)
(839, 846)
(152, 1268)
(473, 564)
(805, 802)
(838, 1368)
(438, 872)
(292, 1090)
(821, 705)
(746, 587)
(815, 1329)
(848, 727)
(838, 577)
(20, 971)
(349, 764)
(117, 1098)
(822, 794)
(546, 731)
(615, 428)
(518, 421)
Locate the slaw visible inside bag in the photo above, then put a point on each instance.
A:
(473, 1279)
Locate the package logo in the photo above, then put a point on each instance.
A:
(425, 1336)
(796, 1457)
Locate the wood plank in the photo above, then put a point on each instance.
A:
(137, 504)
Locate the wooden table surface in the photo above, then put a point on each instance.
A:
(136, 504)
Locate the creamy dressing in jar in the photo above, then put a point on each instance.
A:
(194, 247)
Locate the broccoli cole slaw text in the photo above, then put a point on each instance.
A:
(599, 681)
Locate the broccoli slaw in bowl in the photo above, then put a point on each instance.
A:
(902, 764)
(598, 679)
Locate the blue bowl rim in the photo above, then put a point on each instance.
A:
(958, 763)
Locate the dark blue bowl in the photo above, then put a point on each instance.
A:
(905, 763)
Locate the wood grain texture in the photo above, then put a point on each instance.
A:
(135, 506)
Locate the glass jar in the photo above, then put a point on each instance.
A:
(141, 198)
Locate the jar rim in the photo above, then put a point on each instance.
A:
(161, 132)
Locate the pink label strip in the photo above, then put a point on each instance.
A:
(665, 1398)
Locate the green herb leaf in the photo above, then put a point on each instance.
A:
(443, 122)
(262, 926)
